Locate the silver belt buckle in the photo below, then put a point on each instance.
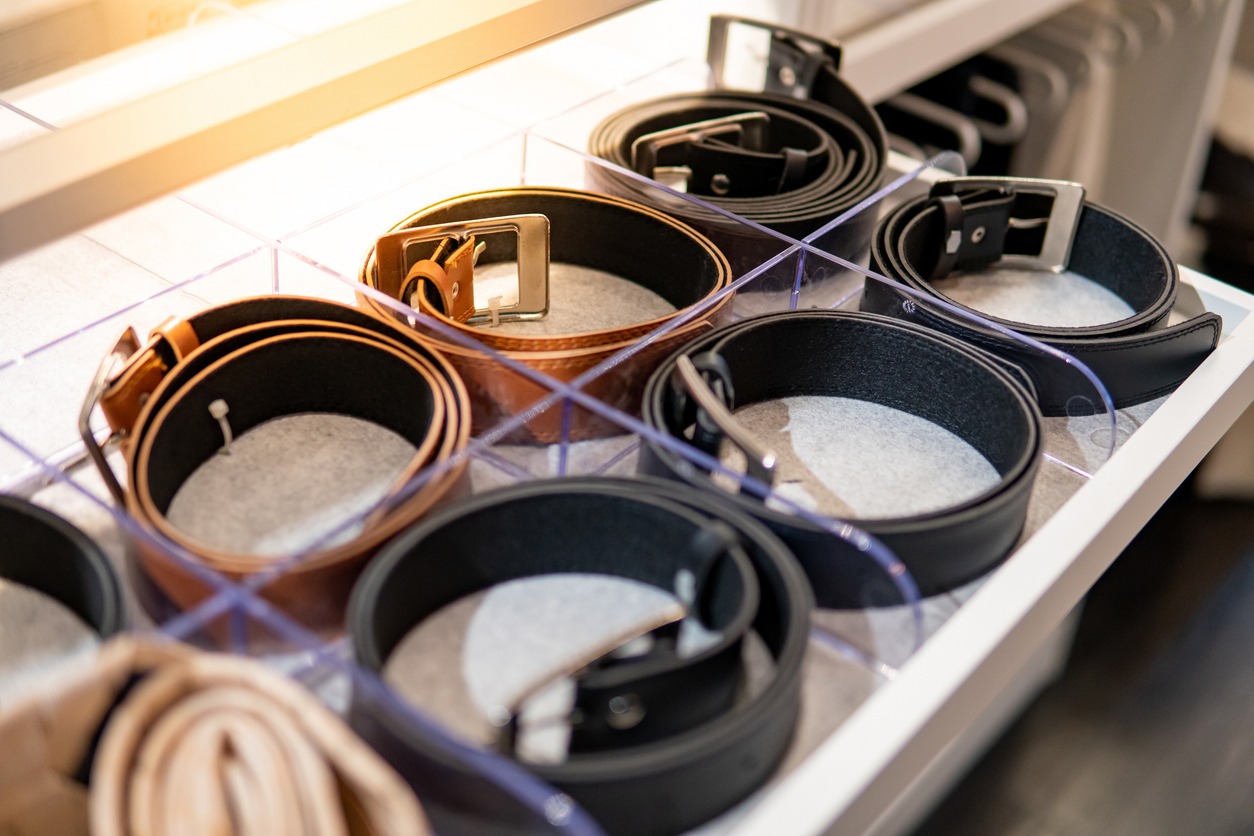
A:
(1060, 226)
(532, 231)
(748, 130)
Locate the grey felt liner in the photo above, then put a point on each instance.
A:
(290, 484)
(1065, 299)
(38, 634)
(862, 360)
(859, 460)
(275, 379)
(580, 299)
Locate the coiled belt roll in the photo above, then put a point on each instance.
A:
(1046, 226)
(792, 157)
(159, 738)
(659, 741)
(870, 358)
(428, 261)
(265, 358)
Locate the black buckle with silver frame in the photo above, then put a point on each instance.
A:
(1059, 226)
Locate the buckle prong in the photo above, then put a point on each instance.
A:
(761, 459)
(393, 261)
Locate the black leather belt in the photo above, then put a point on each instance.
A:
(661, 741)
(969, 223)
(869, 358)
(238, 365)
(791, 157)
(46, 553)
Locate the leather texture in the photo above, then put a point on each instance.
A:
(824, 151)
(1137, 359)
(46, 553)
(884, 361)
(701, 745)
(158, 738)
(625, 239)
(268, 357)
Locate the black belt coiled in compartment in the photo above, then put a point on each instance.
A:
(1045, 225)
(693, 744)
(870, 358)
(791, 158)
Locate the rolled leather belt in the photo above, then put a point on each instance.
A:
(251, 361)
(157, 738)
(1045, 225)
(428, 262)
(870, 358)
(44, 552)
(662, 741)
(792, 157)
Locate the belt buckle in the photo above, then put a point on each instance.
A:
(552, 706)
(125, 347)
(1060, 226)
(746, 130)
(394, 262)
(793, 58)
(761, 460)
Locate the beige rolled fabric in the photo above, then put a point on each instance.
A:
(202, 744)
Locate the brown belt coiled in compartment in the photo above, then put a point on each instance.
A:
(428, 260)
(264, 358)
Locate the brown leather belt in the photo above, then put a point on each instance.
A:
(259, 359)
(427, 261)
(202, 743)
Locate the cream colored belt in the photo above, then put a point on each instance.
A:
(202, 744)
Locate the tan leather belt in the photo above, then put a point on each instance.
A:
(259, 359)
(203, 743)
(428, 260)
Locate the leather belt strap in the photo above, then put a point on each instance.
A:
(809, 148)
(265, 358)
(1046, 225)
(157, 738)
(693, 745)
(44, 552)
(880, 360)
(432, 270)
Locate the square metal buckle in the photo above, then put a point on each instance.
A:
(394, 260)
(1060, 226)
(747, 130)
(792, 61)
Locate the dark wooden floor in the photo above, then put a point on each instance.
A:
(1150, 730)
